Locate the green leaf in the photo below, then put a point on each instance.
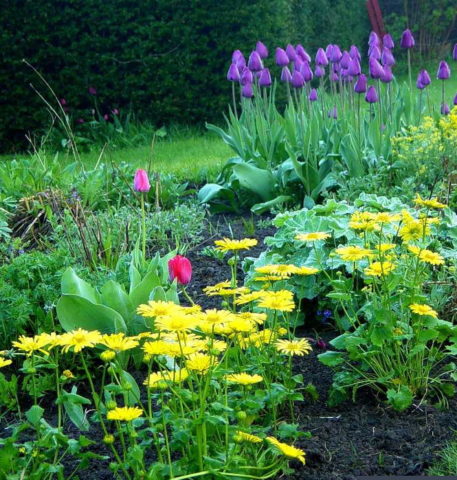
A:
(331, 359)
(260, 208)
(133, 392)
(380, 334)
(256, 180)
(400, 399)
(76, 414)
(73, 285)
(77, 312)
(34, 415)
(141, 292)
(115, 297)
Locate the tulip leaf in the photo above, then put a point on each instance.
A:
(114, 296)
(257, 180)
(141, 292)
(73, 285)
(76, 312)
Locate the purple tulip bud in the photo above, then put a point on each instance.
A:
(321, 58)
(319, 72)
(265, 78)
(261, 49)
(106, 117)
(454, 52)
(62, 101)
(371, 96)
(336, 67)
(444, 72)
(423, 78)
(240, 62)
(297, 80)
(455, 100)
(374, 52)
(255, 62)
(236, 55)
(312, 95)
(387, 57)
(286, 76)
(329, 50)
(333, 113)
(345, 59)
(92, 91)
(291, 53)
(387, 75)
(354, 53)
(281, 57)
(246, 76)
(302, 53)
(334, 77)
(445, 110)
(387, 41)
(361, 84)
(375, 68)
(247, 91)
(407, 39)
(298, 64)
(354, 68)
(233, 74)
(373, 40)
(306, 71)
(419, 84)
(335, 54)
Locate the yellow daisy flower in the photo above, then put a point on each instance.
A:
(227, 244)
(247, 437)
(199, 362)
(306, 271)
(423, 309)
(32, 344)
(157, 309)
(312, 236)
(243, 378)
(288, 450)
(433, 258)
(178, 322)
(124, 414)
(281, 300)
(118, 342)
(281, 270)
(378, 269)
(250, 297)
(353, 253)
(80, 339)
(430, 203)
(298, 346)
(4, 362)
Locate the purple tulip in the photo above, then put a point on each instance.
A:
(407, 39)
(302, 53)
(374, 52)
(319, 72)
(444, 72)
(321, 58)
(247, 91)
(306, 71)
(423, 79)
(233, 74)
(297, 80)
(291, 53)
(261, 49)
(265, 78)
(312, 95)
(361, 84)
(354, 68)
(354, 53)
(387, 57)
(375, 68)
(115, 111)
(286, 76)
(387, 75)
(345, 60)
(282, 60)
(373, 40)
(236, 55)
(335, 54)
(333, 113)
(92, 91)
(240, 62)
(246, 76)
(455, 100)
(298, 64)
(255, 62)
(329, 50)
(387, 41)
(454, 52)
(334, 77)
(371, 96)
(445, 110)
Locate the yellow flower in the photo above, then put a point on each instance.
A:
(415, 250)
(281, 300)
(430, 203)
(108, 355)
(241, 325)
(306, 271)
(157, 309)
(68, 374)
(386, 217)
(243, 378)
(422, 309)
(79, 339)
(312, 236)
(118, 342)
(384, 247)
(414, 230)
(156, 380)
(363, 221)
(288, 450)
(216, 317)
(32, 344)
(158, 347)
(283, 271)
(215, 289)
(4, 362)
(227, 244)
(378, 269)
(258, 318)
(247, 437)
(353, 253)
(298, 346)
(433, 258)
(178, 322)
(124, 414)
(199, 362)
(250, 297)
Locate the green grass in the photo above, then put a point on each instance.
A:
(447, 464)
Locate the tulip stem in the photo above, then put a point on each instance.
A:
(234, 99)
(143, 226)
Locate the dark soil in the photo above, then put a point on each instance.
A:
(359, 438)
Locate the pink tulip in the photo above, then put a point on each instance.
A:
(141, 181)
(179, 267)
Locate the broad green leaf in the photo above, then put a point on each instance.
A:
(115, 297)
(34, 415)
(331, 359)
(400, 399)
(73, 285)
(141, 292)
(133, 394)
(256, 180)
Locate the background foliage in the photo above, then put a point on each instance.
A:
(164, 59)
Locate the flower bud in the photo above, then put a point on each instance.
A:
(141, 181)
(111, 404)
(108, 439)
(371, 96)
(179, 267)
(407, 39)
(107, 355)
(281, 57)
(255, 62)
(444, 72)
(233, 74)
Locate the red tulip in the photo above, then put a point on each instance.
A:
(141, 181)
(179, 267)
